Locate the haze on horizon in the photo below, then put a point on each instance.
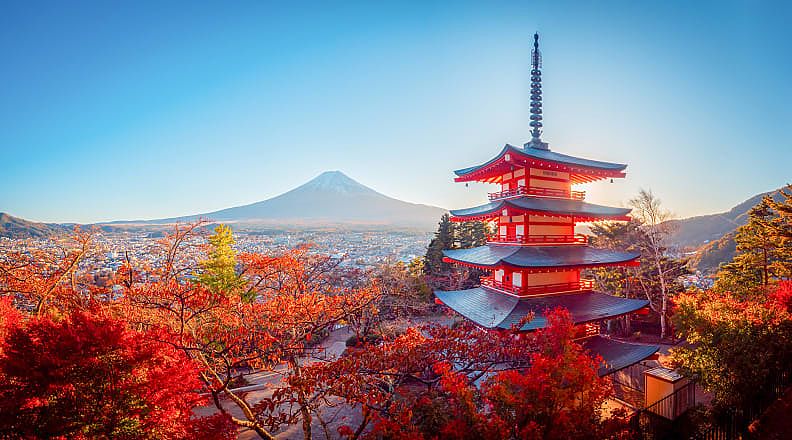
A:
(145, 110)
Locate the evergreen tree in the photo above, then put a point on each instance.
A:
(444, 239)
(452, 235)
(764, 247)
(470, 234)
(219, 269)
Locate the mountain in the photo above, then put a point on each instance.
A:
(709, 256)
(692, 232)
(330, 198)
(15, 227)
(712, 236)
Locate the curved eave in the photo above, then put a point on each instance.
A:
(581, 211)
(581, 170)
(539, 257)
(617, 355)
(492, 309)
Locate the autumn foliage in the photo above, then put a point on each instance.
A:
(136, 360)
(738, 342)
(467, 383)
(90, 377)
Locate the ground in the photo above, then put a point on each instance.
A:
(263, 383)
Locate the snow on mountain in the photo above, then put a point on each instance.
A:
(330, 198)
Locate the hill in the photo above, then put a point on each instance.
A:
(712, 236)
(330, 198)
(15, 227)
(691, 233)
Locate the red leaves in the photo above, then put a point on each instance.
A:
(91, 376)
(782, 295)
(464, 382)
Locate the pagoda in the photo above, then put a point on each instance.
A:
(534, 258)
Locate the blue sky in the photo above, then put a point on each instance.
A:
(143, 110)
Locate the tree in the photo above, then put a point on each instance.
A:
(295, 296)
(764, 247)
(648, 210)
(403, 287)
(469, 383)
(737, 343)
(470, 234)
(656, 279)
(443, 239)
(46, 281)
(219, 269)
(90, 377)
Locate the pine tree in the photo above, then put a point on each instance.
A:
(764, 247)
(444, 239)
(470, 234)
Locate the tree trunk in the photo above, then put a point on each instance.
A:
(302, 401)
(663, 295)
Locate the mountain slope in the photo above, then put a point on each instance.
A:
(332, 197)
(710, 256)
(690, 233)
(15, 227)
(712, 236)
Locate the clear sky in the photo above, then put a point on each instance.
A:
(132, 110)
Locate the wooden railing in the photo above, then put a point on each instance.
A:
(492, 283)
(541, 192)
(537, 239)
(587, 330)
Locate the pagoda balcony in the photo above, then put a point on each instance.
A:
(492, 283)
(537, 239)
(540, 192)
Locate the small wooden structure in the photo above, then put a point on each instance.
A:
(668, 393)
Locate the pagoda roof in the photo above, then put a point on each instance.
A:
(578, 166)
(543, 205)
(617, 355)
(491, 309)
(492, 255)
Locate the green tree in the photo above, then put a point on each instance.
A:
(470, 234)
(218, 271)
(443, 239)
(764, 247)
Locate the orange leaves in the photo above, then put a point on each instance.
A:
(736, 342)
(45, 281)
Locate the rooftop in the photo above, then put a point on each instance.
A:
(496, 310)
(545, 205)
(527, 154)
(492, 255)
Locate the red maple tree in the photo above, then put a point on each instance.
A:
(88, 376)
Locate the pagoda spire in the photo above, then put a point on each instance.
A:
(536, 97)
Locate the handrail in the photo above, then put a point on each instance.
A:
(534, 191)
(674, 405)
(491, 282)
(537, 239)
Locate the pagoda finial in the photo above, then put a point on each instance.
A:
(536, 97)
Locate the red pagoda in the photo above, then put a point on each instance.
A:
(534, 259)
